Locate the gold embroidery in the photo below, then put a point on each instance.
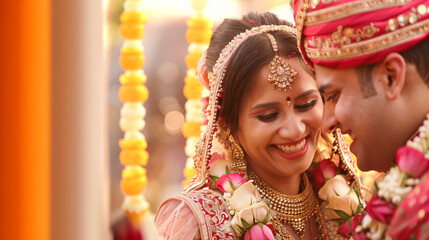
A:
(349, 9)
(344, 37)
(216, 218)
(315, 3)
(303, 7)
(401, 21)
(370, 46)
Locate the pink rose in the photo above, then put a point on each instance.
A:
(357, 220)
(317, 178)
(380, 210)
(346, 230)
(328, 168)
(230, 182)
(325, 170)
(412, 161)
(259, 232)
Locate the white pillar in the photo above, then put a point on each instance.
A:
(80, 172)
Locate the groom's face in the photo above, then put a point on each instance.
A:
(363, 118)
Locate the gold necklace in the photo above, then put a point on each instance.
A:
(294, 210)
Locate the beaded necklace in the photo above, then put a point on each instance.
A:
(294, 210)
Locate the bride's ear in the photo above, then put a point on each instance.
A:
(391, 75)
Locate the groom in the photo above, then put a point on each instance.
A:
(371, 59)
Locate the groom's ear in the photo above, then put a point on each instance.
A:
(390, 76)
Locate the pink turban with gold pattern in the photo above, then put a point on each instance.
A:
(345, 33)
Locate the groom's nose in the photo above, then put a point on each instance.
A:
(329, 121)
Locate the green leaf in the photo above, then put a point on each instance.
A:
(227, 170)
(339, 220)
(341, 213)
(267, 218)
(336, 193)
(404, 176)
(376, 188)
(267, 202)
(351, 207)
(231, 184)
(214, 178)
(245, 224)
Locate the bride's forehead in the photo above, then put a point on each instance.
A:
(259, 84)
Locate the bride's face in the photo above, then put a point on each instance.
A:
(280, 138)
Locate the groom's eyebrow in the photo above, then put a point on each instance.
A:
(324, 87)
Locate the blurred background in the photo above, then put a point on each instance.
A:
(60, 111)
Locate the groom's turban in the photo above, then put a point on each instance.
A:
(345, 33)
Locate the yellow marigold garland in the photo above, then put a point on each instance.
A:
(133, 94)
(198, 36)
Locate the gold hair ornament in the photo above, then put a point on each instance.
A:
(281, 73)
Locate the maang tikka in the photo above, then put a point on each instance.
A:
(281, 74)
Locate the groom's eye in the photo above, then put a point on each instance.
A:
(332, 97)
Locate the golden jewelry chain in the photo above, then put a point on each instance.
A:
(291, 209)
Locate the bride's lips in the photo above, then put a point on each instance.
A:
(293, 150)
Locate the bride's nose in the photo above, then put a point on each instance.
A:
(292, 128)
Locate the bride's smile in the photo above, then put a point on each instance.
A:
(293, 150)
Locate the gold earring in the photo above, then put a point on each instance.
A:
(238, 162)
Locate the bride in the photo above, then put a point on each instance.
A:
(263, 134)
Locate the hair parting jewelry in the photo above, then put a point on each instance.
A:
(281, 74)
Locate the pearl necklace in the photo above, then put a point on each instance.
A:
(294, 210)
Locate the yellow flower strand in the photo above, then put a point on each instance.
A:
(198, 36)
(133, 94)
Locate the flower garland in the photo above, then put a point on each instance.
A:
(133, 94)
(251, 213)
(198, 36)
(412, 162)
(338, 186)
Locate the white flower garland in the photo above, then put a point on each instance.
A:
(390, 187)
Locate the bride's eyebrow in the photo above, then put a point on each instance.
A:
(306, 93)
(264, 105)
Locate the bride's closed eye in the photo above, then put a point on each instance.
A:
(306, 106)
(267, 117)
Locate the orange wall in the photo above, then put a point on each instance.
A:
(25, 119)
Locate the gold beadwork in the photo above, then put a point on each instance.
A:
(392, 25)
(291, 209)
(344, 36)
(367, 47)
(349, 9)
(421, 9)
(281, 74)
(421, 214)
(238, 162)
